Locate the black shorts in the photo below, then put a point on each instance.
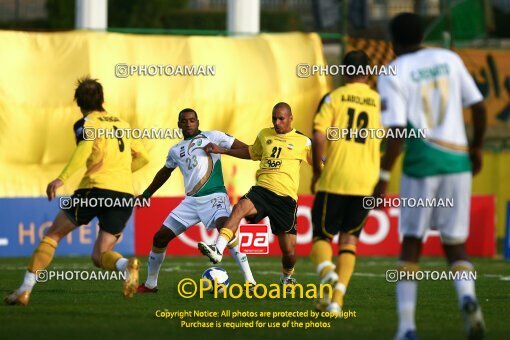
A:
(112, 219)
(281, 210)
(333, 213)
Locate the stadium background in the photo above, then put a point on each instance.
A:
(39, 70)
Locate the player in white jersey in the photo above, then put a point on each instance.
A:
(206, 198)
(428, 92)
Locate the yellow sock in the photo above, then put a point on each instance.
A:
(226, 233)
(43, 254)
(344, 268)
(408, 267)
(233, 243)
(321, 255)
(108, 260)
(223, 239)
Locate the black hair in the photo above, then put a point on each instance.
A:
(406, 29)
(89, 94)
(356, 58)
(187, 110)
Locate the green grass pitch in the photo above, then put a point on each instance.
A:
(96, 309)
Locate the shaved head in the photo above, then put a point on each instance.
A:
(284, 107)
(282, 118)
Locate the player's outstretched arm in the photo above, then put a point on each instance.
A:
(238, 145)
(78, 160)
(140, 157)
(242, 152)
(161, 177)
(479, 117)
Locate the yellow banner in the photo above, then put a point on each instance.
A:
(491, 71)
(251, 74)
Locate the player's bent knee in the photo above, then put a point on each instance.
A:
(288, 251)
(162, 237)
(237, 210)
(243, 208)
(348, 239)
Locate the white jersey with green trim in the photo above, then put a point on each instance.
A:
(202, 172)
(428, 93)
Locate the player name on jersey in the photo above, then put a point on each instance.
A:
(358, 100)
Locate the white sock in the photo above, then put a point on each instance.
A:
(286, 275)
(242, 261)
(341, 287)
(464, 287)
(28, 283)
(155, 261)
(406, 305)
(221, 243)
(121, 264)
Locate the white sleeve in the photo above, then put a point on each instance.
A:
(221, 139)
(170, 160)
(393, 105)
(470, 93)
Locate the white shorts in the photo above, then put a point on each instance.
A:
(205, 209)
(452, 222)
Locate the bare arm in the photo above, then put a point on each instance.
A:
(243, 152)
(161, 177)
(77, 161)
(238, 145)
(318, 146)
(479, 116)
(393, 150)
(139, 156)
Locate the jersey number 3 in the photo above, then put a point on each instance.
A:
(192, 162)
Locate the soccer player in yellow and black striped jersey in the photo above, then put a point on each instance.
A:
(110, 163)
(350, 172)
(280, 150)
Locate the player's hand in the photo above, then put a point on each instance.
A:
(212, 148)
(476, 155)
(51, 189)
(141, 201)
(380, 190)
(315, 178)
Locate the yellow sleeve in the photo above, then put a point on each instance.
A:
(78, 159)
(324, 118)
(256, 149)
(139, 154)
(308, 154)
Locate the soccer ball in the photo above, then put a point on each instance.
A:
(217, 275)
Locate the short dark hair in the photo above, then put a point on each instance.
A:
(356, 58)
(187, 110)
(89, 94)
(284, 106)
(406, 29)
